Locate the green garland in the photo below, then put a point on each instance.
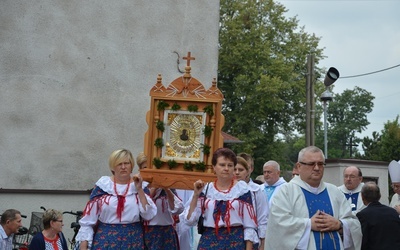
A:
(187, 165)
(207, 130)
(157, 162)
(175, 107)
(200, 165)
(162, 105)
(206, 149)
(160, 126)
(159, 143)
(209, 110)
(192, 108)
(172, 164)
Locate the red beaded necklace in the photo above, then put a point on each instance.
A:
(121, 199)
(224, 192)
(126, 191)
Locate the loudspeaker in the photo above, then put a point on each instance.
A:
(331, 76)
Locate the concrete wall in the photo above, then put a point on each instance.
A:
(28, 203)
(74, 86)
(75, 79)
(370, 169)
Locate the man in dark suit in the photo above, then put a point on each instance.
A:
(380, 224)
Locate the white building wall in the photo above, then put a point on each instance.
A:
(74, 86)
(75, 78)
(370, 169)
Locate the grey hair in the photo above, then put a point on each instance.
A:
(309, 149)
(272, 163)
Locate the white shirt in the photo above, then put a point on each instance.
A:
(5, 241)
(240, 214)
(395, 200)
(107, 207)
(164, 212)
(261, 206)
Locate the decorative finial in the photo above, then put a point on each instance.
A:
(188, 58)
(159, 79)
(214, 82)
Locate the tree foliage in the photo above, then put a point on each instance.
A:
(384, 147)
(390, 141)
(371, 147)
(347, 114)
(262, 68)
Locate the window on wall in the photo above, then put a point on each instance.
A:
(370, 178)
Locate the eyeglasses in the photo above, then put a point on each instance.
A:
(59, 221)
(320, 164)
(395, 186)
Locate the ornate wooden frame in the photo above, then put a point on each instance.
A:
(187, 96)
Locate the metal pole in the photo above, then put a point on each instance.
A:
(309, 97)
(312, 102)
(325, 131)
(308, 103)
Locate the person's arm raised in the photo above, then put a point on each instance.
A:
(137, 179)
(198, 187)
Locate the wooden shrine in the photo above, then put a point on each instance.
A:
(184, 129)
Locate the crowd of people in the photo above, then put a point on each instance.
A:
(234, 211)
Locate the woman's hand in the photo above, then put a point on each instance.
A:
(137, 180)
(198, 187)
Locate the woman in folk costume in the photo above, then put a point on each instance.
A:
(226, 204)
(394, 172)
(112, 216)
(259, 198)
(159, 231)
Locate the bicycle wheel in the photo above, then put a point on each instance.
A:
(33, 230)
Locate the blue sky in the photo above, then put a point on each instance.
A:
(359, 37)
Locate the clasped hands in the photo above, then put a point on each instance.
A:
(323, 222)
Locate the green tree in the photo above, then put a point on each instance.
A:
(390, 141)
(371, 147)
(262, 67)
(347, 114)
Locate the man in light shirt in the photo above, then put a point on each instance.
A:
(273, 181)
(10, 222)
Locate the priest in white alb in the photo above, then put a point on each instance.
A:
(394, 172)
(307, 213)
(351, 188)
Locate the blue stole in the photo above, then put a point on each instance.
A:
(354, 199)
(269, 190)
(321, 201)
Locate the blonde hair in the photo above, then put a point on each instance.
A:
(50, 215)
(140, 159)
(119, 156)
(243, 162)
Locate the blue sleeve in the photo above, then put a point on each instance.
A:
(63, 241)
(37, 242)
